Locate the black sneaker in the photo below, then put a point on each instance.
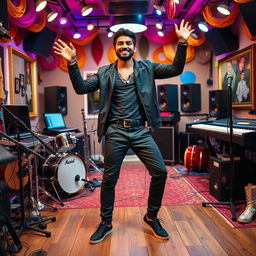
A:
(102, 231)
(155, 226)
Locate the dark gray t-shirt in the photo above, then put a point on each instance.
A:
(125, 102)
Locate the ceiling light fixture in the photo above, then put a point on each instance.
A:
(202, 25)
(160, 33)
(109, 33)
(63, 20)
(224, 8)
(160, 5)
(40, 5)
(52, 16)
(90, 26)
(134, 23)
(87, 8)
(159, 25)
(76, 35)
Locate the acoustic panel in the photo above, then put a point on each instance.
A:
(222, 40)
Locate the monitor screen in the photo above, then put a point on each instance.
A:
(10, 124)
(54, 120)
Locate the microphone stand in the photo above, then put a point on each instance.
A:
(24, 225)
(231, 201)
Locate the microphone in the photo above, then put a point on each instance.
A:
(4, 32)
(229, 79)
(78, 178)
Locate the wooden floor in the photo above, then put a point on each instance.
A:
(194, 230)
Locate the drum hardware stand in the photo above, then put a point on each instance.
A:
(23, 224)
(89, 161)
(36, 203)
(7, 157)
(231, 201)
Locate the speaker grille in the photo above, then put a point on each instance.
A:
(218, 103)
(190, 97)
(55, 99)
(167, 97)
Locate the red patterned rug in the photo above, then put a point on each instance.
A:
(200, 182)
(132, 190)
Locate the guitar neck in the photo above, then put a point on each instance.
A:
(86, 144)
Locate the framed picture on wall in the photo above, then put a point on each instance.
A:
(238, 71)
(92, 99)
(22, 79)
(17, 85)
(23, 66)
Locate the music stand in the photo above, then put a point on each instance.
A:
(231, 201)
(7, 157)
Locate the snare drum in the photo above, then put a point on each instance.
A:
(64, 141)
(63, 169)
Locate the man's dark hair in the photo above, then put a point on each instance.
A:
(124, 32)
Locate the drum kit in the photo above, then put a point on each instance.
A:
(67, 172)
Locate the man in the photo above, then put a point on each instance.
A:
(127, 100)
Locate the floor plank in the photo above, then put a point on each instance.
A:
(194, 231)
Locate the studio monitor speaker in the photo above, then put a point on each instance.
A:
(248, 11)
(167, 97)
(218, 103)
(40, 43)
(55, 99)
(166, 139)
(190, 97)
(222, 40)
(4, 14)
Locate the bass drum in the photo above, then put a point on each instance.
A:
(196, 158)
(64, 169)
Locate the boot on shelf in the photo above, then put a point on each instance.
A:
(250, 211)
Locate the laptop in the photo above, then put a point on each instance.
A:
(10, 124)
(54, 122)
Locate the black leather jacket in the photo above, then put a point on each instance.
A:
(145, 74)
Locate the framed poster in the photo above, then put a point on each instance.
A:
(238, 71)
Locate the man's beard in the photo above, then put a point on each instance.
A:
(127, 57)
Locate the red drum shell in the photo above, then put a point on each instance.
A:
(196, 157)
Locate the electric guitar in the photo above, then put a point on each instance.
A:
(86, 145)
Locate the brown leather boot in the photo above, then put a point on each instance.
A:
(250, 211)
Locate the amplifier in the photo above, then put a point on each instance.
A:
(219, 173)
(166, 139)
(170, 118)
